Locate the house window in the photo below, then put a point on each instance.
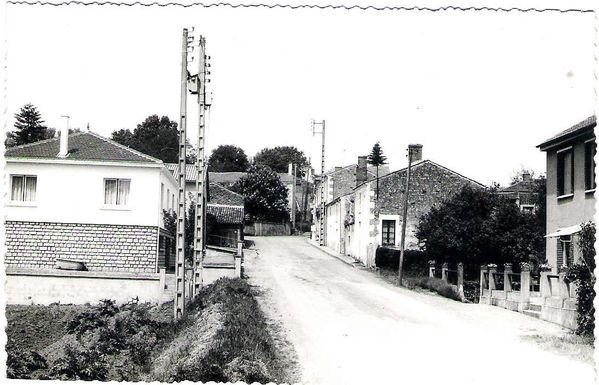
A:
(565, 172)
(172, 201)
(23, 188)
(564, 251)
(388, 233)
(116, 191)
(162, 196)
(590, 149)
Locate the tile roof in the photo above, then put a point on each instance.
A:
(222, 178)
(82, 146)
(190, 171)
(579, 127)
(225, 214)
(223, 196)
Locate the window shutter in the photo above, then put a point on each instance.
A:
(560, 253)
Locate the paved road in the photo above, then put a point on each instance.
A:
(348, 326)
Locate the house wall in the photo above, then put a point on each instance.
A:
(74, 193)
(568, 211)
(101, 247)
(362, 234)
(334, 225)
(430, 184)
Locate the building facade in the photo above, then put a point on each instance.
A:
(89, 200)
(570, 189)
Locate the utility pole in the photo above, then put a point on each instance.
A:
(322, 187)
(199, 249)
(180, 257)
(293, 188)
(411, 147)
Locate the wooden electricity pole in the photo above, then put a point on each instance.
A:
(322, 187)
(411, 147)
(180, 257)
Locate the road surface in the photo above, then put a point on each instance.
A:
(348, 326)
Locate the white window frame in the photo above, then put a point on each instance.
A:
(108, 206)
(572, 170)
(388, 217)
(22, 202)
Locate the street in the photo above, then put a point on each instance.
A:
(350, 326)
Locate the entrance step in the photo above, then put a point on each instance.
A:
(532, 313)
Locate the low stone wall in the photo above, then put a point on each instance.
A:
(100, 247)
(267, 229)
(28, 286)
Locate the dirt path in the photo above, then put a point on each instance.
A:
(349, 326)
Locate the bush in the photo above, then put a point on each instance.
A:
(21, 364)
(582, 275)
(414, 260)
(438, 286)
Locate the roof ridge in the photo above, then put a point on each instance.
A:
(110, 141)
(221, 205)
(26, 145)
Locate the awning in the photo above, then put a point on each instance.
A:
(564, 231)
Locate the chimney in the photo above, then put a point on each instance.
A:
(361, 171)
(64, 142)
(526, 176)
(416, 151)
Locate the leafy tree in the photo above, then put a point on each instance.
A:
(582, 274)
(29, 127)
(228, 158)
(157, 137)
(376, 158)
(265, 195)
(278, 159)
(477, 226)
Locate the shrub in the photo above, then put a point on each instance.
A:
(414, 260)
(582, 274)
(21, 364)
(437, 285)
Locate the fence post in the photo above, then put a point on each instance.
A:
(483, 280)
(545, 285)
(492, 271)
(524, 286)
(507, 278)
(444, 269)
(162, 284)
(564, 287)
(431, 268)
(461, 279)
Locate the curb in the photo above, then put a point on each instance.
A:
(342, 258)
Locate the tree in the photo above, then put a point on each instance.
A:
(228, 158)
(278, 159)
(265, 196)
(477, 226)
(376, 158)
(157, 137)
(29, 127)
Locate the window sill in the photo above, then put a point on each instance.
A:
(115, 208)
(21, 204)
(565, 196)
(591, 191)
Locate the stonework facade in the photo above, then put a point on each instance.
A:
(101, 247)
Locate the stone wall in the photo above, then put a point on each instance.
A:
(430, 184)
(100, 247)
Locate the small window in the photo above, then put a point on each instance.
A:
(590, 149)
(116, 191)
(565, 172)
(388, 233)
(565, 251)
(23, 188)
(173, 201)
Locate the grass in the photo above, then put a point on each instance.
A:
(419, 283)
(577, 347)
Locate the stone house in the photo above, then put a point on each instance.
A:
(99, 203)
(338, 182)
(571, 188)
(365, 222)
(521, 193)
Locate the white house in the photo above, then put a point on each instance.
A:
(86, 199)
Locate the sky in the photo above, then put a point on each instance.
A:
(479, 90)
